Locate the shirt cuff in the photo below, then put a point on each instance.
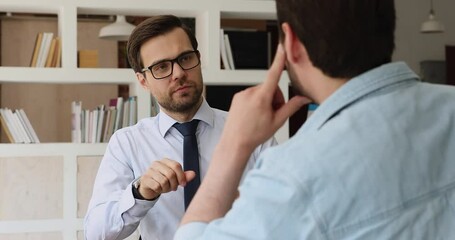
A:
(135, 207)
(190, 231)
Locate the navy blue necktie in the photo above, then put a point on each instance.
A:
(190, 157)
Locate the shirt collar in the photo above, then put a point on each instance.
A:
(204, 113)
(358, 87)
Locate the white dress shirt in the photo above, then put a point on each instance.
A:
(113, 212)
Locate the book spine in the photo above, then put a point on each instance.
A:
(106, 125)
(223, 52)
(36, 50)
(25, 132)
(18, 127)
(50, 55)
(76, 122)
(29, 126)
(6, 127)
(99, 126)
(126, 110)
(133, 110)
(229, 52)
(118, 118)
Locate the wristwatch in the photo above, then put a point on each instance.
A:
(135, 188)
(137, 183)
(137, 194)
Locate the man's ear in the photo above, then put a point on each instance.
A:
(295, 50)
(142, 80)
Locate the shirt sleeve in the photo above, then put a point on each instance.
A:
(190, 231)
(113, 212)
(272, 205)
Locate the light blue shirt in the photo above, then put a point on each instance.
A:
(375, 161)
(113, 213)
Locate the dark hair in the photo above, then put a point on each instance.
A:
(150, 28)
(343, 38)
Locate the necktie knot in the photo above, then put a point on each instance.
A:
(188, 128)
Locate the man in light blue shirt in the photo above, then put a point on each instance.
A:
(376, 160)
(141, 179)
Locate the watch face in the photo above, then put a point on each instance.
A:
(136, 183)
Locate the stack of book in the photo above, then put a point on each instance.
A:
(17, 126)
(98, 125)
(47, 51)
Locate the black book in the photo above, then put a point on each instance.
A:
(250, 49)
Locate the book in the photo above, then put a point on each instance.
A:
(82, 126)
(111, 124)
(16, 128)
(41, 49)
(34, 136)
(57, 53)
(106, 125)
(87, 58)
(89, 126)
(50, 54)
(44, 50)
(126, 114)
(250, 49)
(23, 128)
(6, 128)
(39, 39)
(86, 128)
(103, 125)
(76, 114)
(93, 125)
(119, 116)
(229, 54)
(99, 125)
(223, 52)
(133, 110)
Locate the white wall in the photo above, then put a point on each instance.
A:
(413, 46)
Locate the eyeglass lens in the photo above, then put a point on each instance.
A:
(164, 69)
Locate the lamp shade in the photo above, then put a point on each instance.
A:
(432, 25)
(120, 30)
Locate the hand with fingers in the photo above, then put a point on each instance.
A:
(259, 111)
(163, 176)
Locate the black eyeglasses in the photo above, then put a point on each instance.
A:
(164, 69)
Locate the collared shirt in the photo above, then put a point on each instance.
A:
(376, 160)
(113, 212)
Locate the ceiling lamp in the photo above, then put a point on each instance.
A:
(120, 30)
(432, 25)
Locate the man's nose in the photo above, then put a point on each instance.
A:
(177, 71)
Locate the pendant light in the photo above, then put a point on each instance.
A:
(120, 30)
(432, 25)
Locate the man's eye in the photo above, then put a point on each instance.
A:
(185, 58)
(161, 67)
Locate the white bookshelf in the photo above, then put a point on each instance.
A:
(64, 157)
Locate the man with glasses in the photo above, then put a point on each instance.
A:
(141, 179)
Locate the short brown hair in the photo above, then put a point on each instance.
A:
(343, 38)
(150, 28)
